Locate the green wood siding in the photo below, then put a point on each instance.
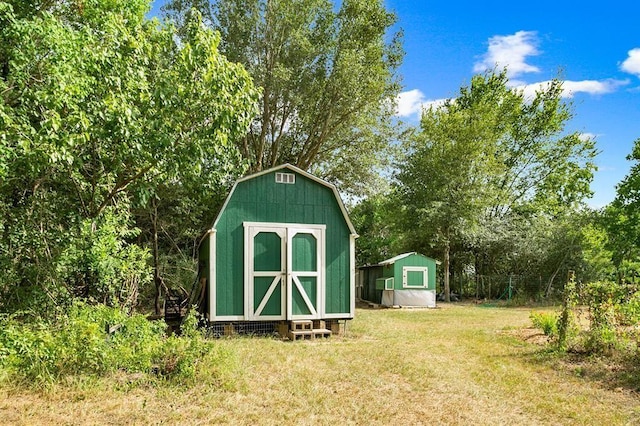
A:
(261, 199)
(416, 279)
(373, 276)
(299, 307)
(304, 252)
(267, 254)
(415, 260)
(274, 305)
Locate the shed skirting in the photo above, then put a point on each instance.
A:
(424, 298)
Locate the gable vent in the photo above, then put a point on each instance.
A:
(285, 178)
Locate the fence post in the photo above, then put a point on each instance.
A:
(568, 302)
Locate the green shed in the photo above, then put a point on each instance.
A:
(282, 248)
(408, 279)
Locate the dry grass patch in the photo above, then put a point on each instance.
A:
(458, 365)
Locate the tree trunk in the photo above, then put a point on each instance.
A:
(157, 279)
(447, 292)
(476, 275)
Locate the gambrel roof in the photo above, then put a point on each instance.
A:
(297, 170)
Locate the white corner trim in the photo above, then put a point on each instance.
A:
(352, 273)
(212, 274)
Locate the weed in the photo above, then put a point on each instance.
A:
(547, 322)
(95, 341)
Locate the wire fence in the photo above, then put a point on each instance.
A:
(503, 286)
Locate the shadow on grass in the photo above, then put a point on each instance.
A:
(613, 371)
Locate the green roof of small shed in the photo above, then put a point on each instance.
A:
(402, 256)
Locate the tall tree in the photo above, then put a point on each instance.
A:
(621, 219)
(487, 156)
(328, 80)
(97, 106)
(371, 217)
(444, 182)
(628, 190)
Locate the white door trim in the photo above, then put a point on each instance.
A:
(286, 277)
(250, 231)
(293, 277)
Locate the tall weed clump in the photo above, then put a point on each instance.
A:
(96, 341)
(546, 322)
(567, 327)
(614, 312)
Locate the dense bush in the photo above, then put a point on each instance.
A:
(613, 316)
(107, 117)
(100, 266)
(614, 311)
(97, 340)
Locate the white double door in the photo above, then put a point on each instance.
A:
(284, 271)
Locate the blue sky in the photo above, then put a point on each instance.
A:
(595, 50)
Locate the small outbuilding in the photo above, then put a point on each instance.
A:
(408, 279)
(282, 248)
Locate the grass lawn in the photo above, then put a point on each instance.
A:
(459, 364)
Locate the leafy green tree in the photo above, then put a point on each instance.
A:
(621, 219)
(597, 256)
(373, 219)
(628, 191)
(328, 79)
(486, 159)
(97, 106)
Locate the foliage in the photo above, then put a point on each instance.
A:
(628, 312)
(328, 78)
(98, 340)
(98, 106)
(548, 323)
(101, 266)
(628, 191)
(601, 298)
(621, 220)
(372, 218)
(614, 311)
(566, 321)
(598, 257)
(488, 167)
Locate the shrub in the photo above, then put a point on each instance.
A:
(547, 322)
(28, 351)
(97, 340)
(628, 312)
(100, 266)
(567, 328)
(602, 297)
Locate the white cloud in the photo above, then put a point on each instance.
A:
(570, 88)
(510, 51)
(435, 104)
(587, 136)
(412, 102)
(592, 87)
(632, 63)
